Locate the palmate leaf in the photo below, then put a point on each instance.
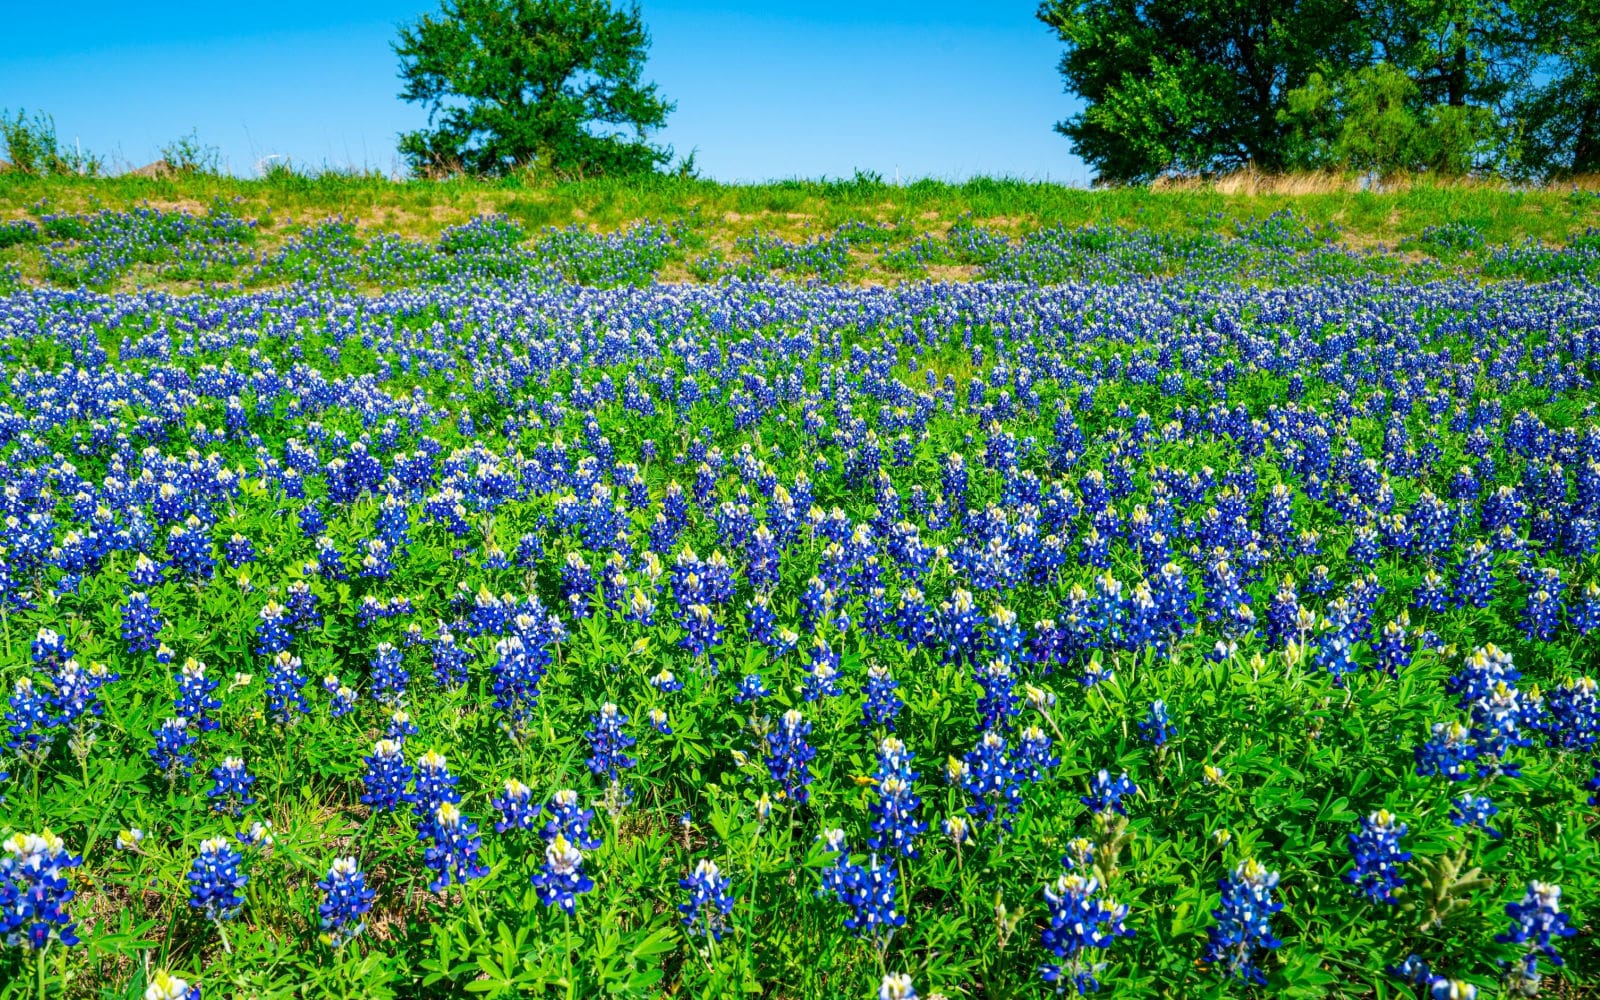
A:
(1443, 888)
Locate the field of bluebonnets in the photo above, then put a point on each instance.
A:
(1182, 614)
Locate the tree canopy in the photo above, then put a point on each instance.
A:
(549, 85)
(1448, 86)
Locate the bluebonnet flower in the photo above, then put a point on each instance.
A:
(1393, 648)
(341, 697)
(386, 777)
(1097, 671)
(895, 823)
(517, 809)
(1431, 594)
(1094, 549)
(1541, 615)
(999, 702)
(666, 682)
(1536, 923)
(1155, 728)
(230, 792)
(658, 721)
(1079, 856)
(1244, 922)
(834, 876)
(1375, 849)
(345, 902)
(377, 562)
(1447, 752)
(608, 743)
(988, 774)
(141, 623)
(400, 727)
(1585, 612)
(1005, 635)
(389, 675)
(301, 607)
(577, 584)
(957, 829)
(1416, 972)
(1035, 755)
(789, 755)
(1283, 614)
(1082, 925)
(709, 904)
(1574, 715)
(1106, 793)
(1474, 810)
(702, 632)
(145, 572)
(272, 635)
(76, 700)
(880, 704)
(453, 852)
(515, 675)
(34, 892)
(435, 786)
(449, 661)
(958, 627)
(1481, 671)
(165, 986)
(329, 562)
(562, 880)
(751, 688)
(215, 880)
(760, 621)
(1474, 578)
(29, 721)
(896, 986)
(822, 672)
(870, 892)
(130, 840)
(194, 701)
(238, 550)
(570, 820)
(285, 702)
(189, 549)
(171, 752)
(784, 643)
(257, 834)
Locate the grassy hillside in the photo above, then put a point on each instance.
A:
(794, 208)
(183, 234)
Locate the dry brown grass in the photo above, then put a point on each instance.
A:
(1253, 183)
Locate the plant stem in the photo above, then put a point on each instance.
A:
(567, 956)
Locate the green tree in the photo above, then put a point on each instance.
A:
(1376, 120)
(552, 85)
(1558, 116)
(1173, 86)
(1383, 85)
(1459, 53)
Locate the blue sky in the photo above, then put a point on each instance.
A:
(764, 90)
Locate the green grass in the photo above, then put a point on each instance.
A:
(795, 208)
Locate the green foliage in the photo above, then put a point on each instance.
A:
(555, 86)
(1172, 87)
(1373, 120)
(1444, 86)
(1449, 239)
(187, 156)
(1559, 115)
(32, 147)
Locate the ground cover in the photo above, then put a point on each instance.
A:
(1199, 602)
